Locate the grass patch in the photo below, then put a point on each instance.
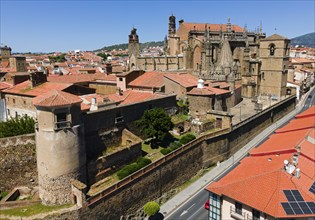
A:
(31, 210)
(3, 194)
(152, 154)
(176, 119)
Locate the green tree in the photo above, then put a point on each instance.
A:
(151, 208)
(155, 123)
(103, 55)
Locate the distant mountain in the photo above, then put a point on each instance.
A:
(125, 46)
(307, 40)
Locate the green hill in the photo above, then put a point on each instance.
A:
(307, 40)
(125, 46)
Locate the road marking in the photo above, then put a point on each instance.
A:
(185, 211)
(195, 213)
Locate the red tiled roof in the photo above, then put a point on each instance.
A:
(260, 179)
(25, 88)
(201, 92)
(183, 79)
(4, 85)
(87, 100)
(133, 96)
(56, 98)
(148, 80)
(77, 78)
(297, 60)
(213, 27)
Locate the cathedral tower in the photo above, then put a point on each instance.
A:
(274, 56)
(173, 40)
(60, 145)
(133, 49)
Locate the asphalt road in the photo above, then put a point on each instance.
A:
(193, 209)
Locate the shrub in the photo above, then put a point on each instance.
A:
(187, 138)
(165, 151)
(142, 161)
(17, 126)
(131, 168)
(151, 208)
(174, 145)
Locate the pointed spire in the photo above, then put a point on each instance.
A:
(260, 27)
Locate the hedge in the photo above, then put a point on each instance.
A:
(131, 168)
(187, 138)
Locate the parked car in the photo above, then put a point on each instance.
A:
(207, 206)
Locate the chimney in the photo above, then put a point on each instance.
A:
(295, 159)
(200, 84)
(109, 68)
(298, 173)
(37, 78)
(93, 106)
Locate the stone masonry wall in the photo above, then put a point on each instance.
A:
(18, 162)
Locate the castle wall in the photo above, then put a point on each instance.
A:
(18, 162)
(165, 174)
(125, 149)
(104, 120)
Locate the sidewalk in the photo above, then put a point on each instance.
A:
(184, 196)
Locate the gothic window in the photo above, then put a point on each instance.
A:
(272, 49)
(263, 75)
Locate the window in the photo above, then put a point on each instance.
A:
(272, 49)
(256, 214)
(215, 207)
(61, 120)
(263, 75)
(13, 100)
(120, 79)
(238, 208)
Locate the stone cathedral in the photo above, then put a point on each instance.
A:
(221, 52)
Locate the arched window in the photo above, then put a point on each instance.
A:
(263, 75)
(272, 49)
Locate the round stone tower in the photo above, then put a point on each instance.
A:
(60, 145)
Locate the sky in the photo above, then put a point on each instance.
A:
(60, 25)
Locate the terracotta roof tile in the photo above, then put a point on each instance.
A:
(183, 79)
(25, 88)
(148, 80)
(56, 98)
(77, 78)
(4, 85)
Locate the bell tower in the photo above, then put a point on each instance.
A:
(173, 40)
(133, 49)
(274, 55)
(5, 55)
(60, 145)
